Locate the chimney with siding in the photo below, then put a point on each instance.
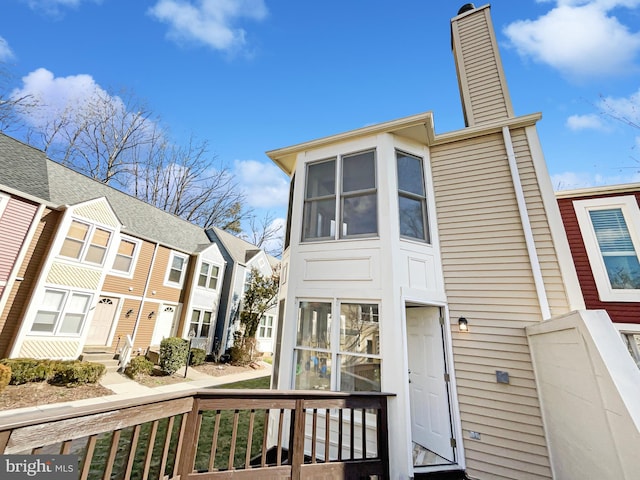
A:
(483, 88)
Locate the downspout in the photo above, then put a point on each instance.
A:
(526, 226)
(144, 294)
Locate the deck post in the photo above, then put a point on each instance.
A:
(297, 458)
(190, 441)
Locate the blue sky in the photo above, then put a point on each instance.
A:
(254, 75)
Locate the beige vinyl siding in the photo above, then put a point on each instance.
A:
(145, 328)
(485, 94)
(118, 284)
(554, 284)
(488, 280)
(160, 267)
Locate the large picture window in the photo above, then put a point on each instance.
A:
(61, 312)
(355, 353)
(355, 204)
(610, 228)
(412, 200)
(86, 243)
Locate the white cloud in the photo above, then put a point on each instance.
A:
(575, 180)
(57, 96)
(52, 7)
(211, 22)
(625, 107)
(580, 38)
(5, 50)
(585, 122)
(264, 184)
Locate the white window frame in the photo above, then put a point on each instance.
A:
(134, 259)
(170, 283)
(201, 312)
(265, 327)
(334, 350)
(625, 330)
(422, 199)
(339, 196)
(60, 314)
(631, 213)
(86, 244)
(209, 275)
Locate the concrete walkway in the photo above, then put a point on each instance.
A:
(124, 388)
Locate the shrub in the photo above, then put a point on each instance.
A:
(242, 351)
(173, 354)
(138, 366)
(76, 372)
(25, 370)
(5, 376)
(197, 356)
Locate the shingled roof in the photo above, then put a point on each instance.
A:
(27, 169)
(240, 250)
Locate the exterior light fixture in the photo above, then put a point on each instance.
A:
(463, 324)
(151, 314)
(129, 312)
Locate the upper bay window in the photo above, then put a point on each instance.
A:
(610, 229)
(412, 200)
(86, 243)
(353, 200)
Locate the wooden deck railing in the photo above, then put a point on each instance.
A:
(214, 434)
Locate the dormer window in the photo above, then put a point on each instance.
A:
(86, 243)
(354, 204)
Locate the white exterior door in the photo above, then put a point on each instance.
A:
(165, 324)
(103, 317)
(430, 417)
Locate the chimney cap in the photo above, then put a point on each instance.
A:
(466, 8)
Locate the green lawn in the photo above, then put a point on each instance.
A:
(206, 434)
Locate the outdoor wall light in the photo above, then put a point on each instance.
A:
(129, 312)
(151, 314)
(463, 324)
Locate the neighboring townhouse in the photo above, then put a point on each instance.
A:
(603, 228)
(435, 267)
(240, 257)
(84, 265)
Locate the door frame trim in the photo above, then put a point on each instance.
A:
(454, 409)
(114, 322)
